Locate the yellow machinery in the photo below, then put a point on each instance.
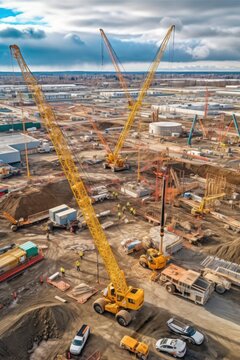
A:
(153, 260)
(119, 297)
(202, 208)
(113, 56)
(113, 159)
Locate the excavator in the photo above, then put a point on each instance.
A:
(114, 160)
(119, 298)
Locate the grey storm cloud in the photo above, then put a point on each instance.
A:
(75, 39)
(205, 30)
(29, 33)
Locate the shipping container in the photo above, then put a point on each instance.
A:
(7, 263)
(11, 258)
(55, 210)
(64, 217)
(30, 248)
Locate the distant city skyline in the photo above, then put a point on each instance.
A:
(64, 35)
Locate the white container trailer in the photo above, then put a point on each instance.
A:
(55, 210)
(66, 216)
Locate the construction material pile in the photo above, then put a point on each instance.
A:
(229, 251)
(30, 329)
(35, 199)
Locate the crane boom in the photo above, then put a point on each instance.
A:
(113, 56)
(114, 158)
(72, 174)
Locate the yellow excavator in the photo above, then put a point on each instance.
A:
(118, 298)
(202, 208)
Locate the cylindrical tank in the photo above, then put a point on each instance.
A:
(165, 128)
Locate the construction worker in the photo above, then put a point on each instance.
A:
(123, 209)
(119, 215)
(128, 205)
(78, 265)
(119, 206)
(81, 253)
(62, 271)
(48, 234)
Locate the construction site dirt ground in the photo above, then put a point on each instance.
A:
(41, 327)
(36, 326)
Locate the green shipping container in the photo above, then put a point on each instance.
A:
(30, 248)
(19, 126)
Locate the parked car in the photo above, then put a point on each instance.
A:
(187, 332)
(175, 347)
(79, 340)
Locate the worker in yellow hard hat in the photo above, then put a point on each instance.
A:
(78, 265)
(81, 253)
(119, 215)
(119, 206)
(62, 271)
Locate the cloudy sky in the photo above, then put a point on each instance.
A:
(64, 35)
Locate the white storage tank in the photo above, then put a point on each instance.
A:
(165, 128)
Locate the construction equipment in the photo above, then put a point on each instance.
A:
(113, 159)
(186, 283)
(32, 219)
(189, 141)
(154, 259)
(118, 298)
(113, 56)
(202, 208)
(133, 346)
(234, 121)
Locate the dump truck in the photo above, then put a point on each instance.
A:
(139, 348)
(221, 284)
(186, 283)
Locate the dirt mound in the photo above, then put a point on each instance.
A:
(229, 251)
(36, 199)
(22, 337)
(231, 176)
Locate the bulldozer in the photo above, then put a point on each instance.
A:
(153, 259)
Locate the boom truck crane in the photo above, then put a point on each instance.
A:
(113, 159)
(118, 298)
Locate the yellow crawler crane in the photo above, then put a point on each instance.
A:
(114, 59)
(119, 297)
(113, 159)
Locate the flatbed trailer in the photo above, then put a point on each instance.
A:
(21, 268)
(32, 219)
(226, 269)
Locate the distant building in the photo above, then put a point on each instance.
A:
(12, 145)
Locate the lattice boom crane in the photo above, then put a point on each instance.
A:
(119, 297)
(114, 159)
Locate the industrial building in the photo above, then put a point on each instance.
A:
(12, 145)
(196, 108)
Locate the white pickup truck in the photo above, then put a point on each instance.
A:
(80, 340)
